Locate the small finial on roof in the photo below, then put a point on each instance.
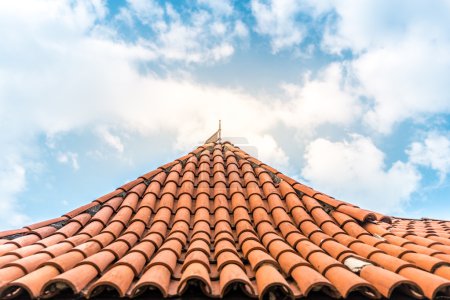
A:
(220, 130)
(217, 136)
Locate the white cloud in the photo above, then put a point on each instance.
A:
(222, 51)
(146, 11)
(433, 152)
(223, 7)
(268, 151)
(402, 56)
(240, 29)
(112, 140)
(70, 158)
(327, 99)
(204, 34)
(74, 82)
(287, 22)
(201, 40)
(355, 171)
(407, 80)
(277, 20)
(387, 22)
(400, 51)
(12, 182)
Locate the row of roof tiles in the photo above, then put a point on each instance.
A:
(218, 218)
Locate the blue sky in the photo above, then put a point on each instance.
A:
(350, 97)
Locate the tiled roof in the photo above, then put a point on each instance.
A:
(217, 220)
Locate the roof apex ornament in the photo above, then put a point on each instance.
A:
(217, 136)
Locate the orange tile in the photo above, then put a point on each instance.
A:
(387, 282)
(357, 213)
(424, 261)
(430, 284)
(232, 274)
(310, 280)
(347, 282)
(30, 284)
(29, 263)
(157, 276)
(270, 285)
(118, 278)
(65, 261)
(45, 223)
(195, 273)
(8, 274)
(196, 256)
(70, 280)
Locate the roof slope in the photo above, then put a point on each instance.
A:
(218, 219)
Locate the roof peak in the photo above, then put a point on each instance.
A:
(216, 136)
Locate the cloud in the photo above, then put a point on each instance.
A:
(287, 23)
(401, 56)
(12, 182)
(77, 85)
(70, 158)
(355, 171)
(202, 34)
(389, 23)
(433, 152)
(277, 20)
(148, 12)
(400, 61)
(407, 80)
(112, 140)
(398, 54)
(329, 98)
(268, 151)
(224, 7)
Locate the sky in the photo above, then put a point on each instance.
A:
(350, 97)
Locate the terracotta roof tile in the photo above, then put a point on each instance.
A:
(219, 219)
